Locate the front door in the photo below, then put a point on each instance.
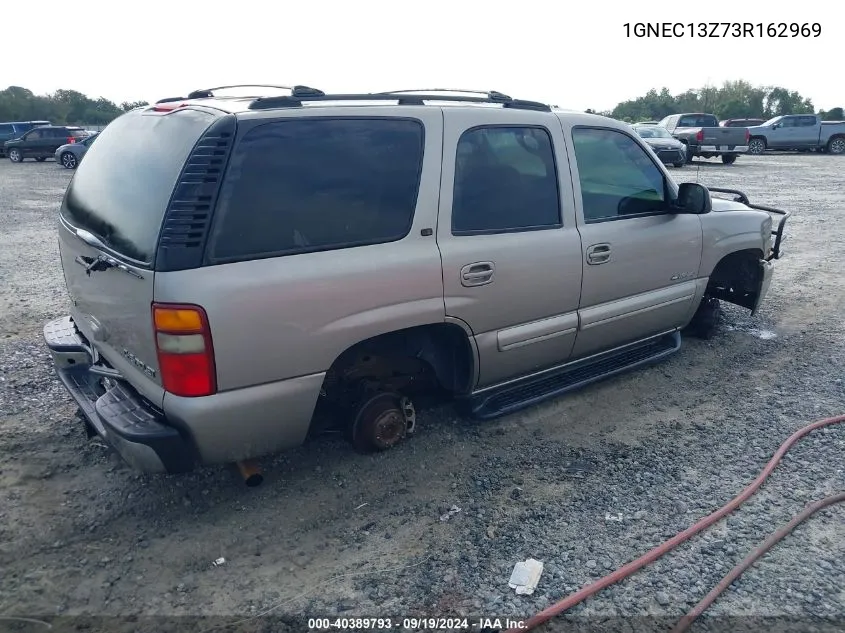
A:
(32, 143)
(785, 135)
(508, 240)
(641, 261)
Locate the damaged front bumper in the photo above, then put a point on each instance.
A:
(777, 231)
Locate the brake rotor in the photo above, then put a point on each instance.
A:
(380, 424)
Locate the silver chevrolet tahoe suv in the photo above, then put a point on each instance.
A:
(246, 270)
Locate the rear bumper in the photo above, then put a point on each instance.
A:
(723, 149)
(125, 420)
(226, 427)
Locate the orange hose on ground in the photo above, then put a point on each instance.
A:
(667, 546)
(685, 622)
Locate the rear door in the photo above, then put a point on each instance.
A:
(7, 132)
(510, 249)
(807, 131)
(641, 261)
(113, 208)
(57, 137)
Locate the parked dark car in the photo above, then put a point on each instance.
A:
(741, 122)
(15, 129)
(669, 150)
(42, 142)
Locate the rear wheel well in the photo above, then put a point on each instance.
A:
(736, 278)
(436, 356)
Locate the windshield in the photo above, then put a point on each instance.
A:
(773, 120)
(653, 131)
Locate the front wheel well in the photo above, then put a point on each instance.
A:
(736, 278)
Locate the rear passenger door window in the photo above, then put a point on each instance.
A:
(618, 178)
(505, 180)
(306, 185)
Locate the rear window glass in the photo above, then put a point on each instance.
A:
(698, 121)
(78, 133)
(304, 185)
(122, 188)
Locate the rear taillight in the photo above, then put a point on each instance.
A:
(71, 139)
(185, 354)
(747, 135)
(699, 136)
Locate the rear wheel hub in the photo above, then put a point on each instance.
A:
(380, 423)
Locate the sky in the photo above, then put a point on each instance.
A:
(571, 54)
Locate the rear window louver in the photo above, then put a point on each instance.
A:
(188, 218)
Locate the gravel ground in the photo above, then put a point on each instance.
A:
(585, 483)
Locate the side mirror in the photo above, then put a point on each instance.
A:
(775, 126)
(694, 198)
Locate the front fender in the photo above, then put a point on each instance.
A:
(732, 227)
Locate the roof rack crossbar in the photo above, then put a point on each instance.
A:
(401, 97)
(207, 93)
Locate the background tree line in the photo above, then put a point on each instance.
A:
(63, 106)
(734, 100)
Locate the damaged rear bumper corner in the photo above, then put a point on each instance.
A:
(121, 417)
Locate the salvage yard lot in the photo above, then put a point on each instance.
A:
(80, 533)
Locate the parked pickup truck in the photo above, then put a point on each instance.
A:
(703, 136)
(798, 132)
(230, 302)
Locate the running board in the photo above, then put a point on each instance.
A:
(532, 390)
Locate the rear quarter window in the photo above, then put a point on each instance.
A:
(122, 189)
(306, 185)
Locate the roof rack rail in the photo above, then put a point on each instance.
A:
(403, 97)
(492, 94)
(208, 93)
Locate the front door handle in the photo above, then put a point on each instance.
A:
(477, 274)
(598, 254)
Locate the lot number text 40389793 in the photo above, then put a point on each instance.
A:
(722, 29)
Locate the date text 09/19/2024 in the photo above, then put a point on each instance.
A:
(408, 625)
(722, 29)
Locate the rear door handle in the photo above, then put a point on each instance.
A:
(598, 254)
(477, 274)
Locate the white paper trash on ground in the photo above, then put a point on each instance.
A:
(526, 576)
